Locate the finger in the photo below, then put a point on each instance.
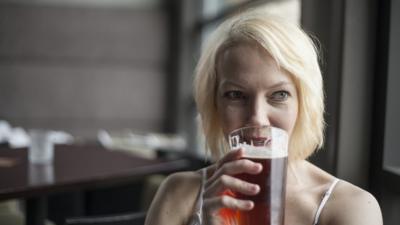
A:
(236, 167)
(239, 166)
(230, 156)
(225, 201)
(232, 183)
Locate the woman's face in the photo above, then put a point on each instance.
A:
(253, 90)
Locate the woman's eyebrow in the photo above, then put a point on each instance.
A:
(238, 84)
(281, 83)
(227, 82)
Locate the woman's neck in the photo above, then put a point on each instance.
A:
(296, 174)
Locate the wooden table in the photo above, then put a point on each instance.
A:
(74, 168)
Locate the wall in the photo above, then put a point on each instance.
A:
(392, 124)
(82, 68)
(391, 195)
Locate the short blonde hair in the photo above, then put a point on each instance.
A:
(292, 49)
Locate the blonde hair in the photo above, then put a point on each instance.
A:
(292, 49)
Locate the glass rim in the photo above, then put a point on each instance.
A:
(256, 126)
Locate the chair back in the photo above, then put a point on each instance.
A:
(124, 219)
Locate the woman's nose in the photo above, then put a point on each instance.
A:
(258, 113)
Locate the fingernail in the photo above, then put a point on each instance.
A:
(256, 188)
(249, 205)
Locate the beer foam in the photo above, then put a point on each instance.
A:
(277, 147)
(262, 152)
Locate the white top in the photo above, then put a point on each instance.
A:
(198, 212)
(324, 200)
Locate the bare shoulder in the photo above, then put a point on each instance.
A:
(175, 198)
(182, 182)
(350, 204)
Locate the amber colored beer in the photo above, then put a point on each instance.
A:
(268, 146)
(269, 203)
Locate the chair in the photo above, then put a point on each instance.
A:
(123, 219)
(11, 214)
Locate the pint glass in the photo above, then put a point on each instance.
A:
(268, 146)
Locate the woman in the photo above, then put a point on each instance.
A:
(258, 70)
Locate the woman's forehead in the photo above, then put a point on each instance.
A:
(248, 62)
(244, 56)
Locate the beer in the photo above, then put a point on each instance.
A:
(268, 207)
(269, 204)
(268, 146)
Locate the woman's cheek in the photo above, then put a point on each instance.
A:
(285, 120)
(231, 118)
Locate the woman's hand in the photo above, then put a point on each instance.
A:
(222, 179)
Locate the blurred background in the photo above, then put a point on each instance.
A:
(117, 68)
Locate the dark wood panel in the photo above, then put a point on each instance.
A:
(27, 90)
(81, 69)
(83, 97)
(34, 32)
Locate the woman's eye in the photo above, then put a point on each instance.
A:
(234, 95)
(280, 96)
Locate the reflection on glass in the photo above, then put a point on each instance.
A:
(40, 174)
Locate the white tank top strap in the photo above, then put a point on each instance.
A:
(196, 218)
(324, 200)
